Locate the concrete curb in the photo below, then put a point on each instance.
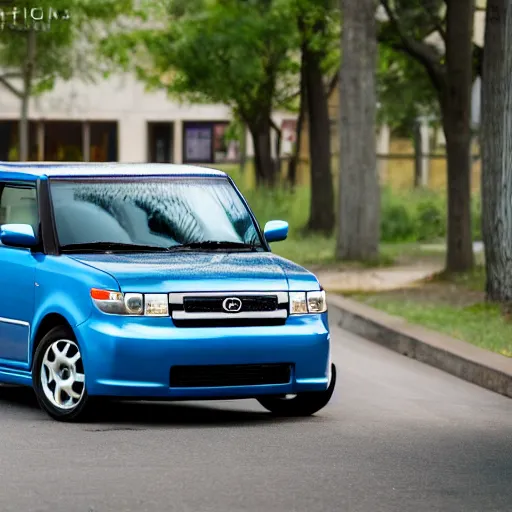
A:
(473, 364)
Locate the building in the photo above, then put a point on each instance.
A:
(118, 120)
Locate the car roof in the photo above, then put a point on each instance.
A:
(34, 170)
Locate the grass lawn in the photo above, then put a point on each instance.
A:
(453, 306)
(318, 252)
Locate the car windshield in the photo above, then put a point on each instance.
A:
(158, 212)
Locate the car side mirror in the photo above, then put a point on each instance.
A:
(275, 230)
(18, 235)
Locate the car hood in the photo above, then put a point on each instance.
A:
(202, 271)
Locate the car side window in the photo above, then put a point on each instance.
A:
(18, 204)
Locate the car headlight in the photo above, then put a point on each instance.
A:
(156, 304)
(307, 302)
(134, 304)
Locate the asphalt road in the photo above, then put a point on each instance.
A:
(398, 436)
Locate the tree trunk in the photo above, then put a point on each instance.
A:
(321, 212)
(26, 94)
(359, 194)
(295, 158)
(277, 162)
(496, 149)
(23, 128)
(456, 109)
(243, 149)
(263, 163)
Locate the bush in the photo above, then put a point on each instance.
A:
(476, 217)
(420, 216)
(431, 220)
(397, 222)
(406, 216)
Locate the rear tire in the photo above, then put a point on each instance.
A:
(58, 377)
(303, 404)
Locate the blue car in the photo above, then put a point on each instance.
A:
(152, 282)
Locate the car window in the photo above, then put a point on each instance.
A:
(18, 205)
(163, 211)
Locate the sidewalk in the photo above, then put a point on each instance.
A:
(386, 278)
(372, 280)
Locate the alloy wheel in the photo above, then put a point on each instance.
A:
(62, 375)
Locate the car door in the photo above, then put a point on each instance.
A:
(18, 205)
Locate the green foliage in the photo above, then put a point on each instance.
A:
(404, 90)
(407, 216)
(231, 52)
(419, 216)
(64, 38)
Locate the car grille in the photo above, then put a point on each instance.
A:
(229, 375)
(214, 304)
(228, 309)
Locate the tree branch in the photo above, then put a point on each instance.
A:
(290, 97)
(435, 21)
(275, 127)
(333, 83)
(12, 74)
(423, 52)
(10, 87)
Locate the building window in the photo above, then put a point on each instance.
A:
(104, 146)
(160, 142)
(9, 141)
(205, 142)
(198, 143)
(220, 145)
(63, 141)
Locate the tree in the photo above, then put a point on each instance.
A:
(417, 98)
(318, 28)
(359, 194)
(232, 52)
(404, 90)
(496, 150)
(451, 72)
(39, 45)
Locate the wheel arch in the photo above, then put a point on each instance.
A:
(46, 324)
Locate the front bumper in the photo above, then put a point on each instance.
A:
(131, 357)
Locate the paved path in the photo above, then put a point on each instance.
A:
(369, 280)
(399, 436)
(386, 278)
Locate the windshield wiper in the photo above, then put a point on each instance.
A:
(111, 246)
(213, 245)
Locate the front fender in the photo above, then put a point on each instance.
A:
(63, 287)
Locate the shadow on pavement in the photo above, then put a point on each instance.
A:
(145, 414)
(121, 415)
(18, 395)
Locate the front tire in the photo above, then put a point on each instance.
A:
(303, 404)
(59, 376)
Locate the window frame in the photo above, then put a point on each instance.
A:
(25, 184)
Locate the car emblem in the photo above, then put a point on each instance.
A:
(232, 304)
